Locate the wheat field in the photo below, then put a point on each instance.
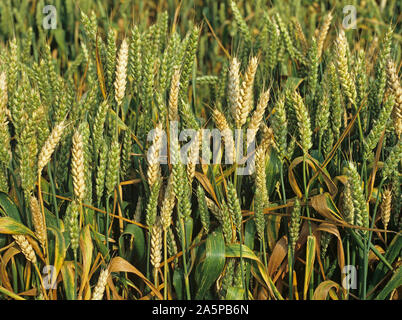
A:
(200, 150)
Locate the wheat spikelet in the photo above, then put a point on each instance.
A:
(214, 209)
(258, 114)
(323, 33)
(38, 221)
(261, 193)
(267, 136)
(226, 133)
(294, 227)
(193, 155)
(156, 244)
(234, 206)
(168, 204)
(77, 166)
(348, 206)
(100, 285)
(121, 72)
(174, 95)
(220, 120)
(386, 207)
(300, 35)
(50, 145)
(26, 247)
(3, 91)
(303, 119)
(5, 150)
(246, 94)
(153, 156)
(359, 202)
(260, 175)
(394, 158)
(234, 85)
(341, 49)
(393, 83)
(203, 208)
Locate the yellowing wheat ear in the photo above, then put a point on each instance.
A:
(3, 91)
(168, 204)
(38, 222)
(323, 33)
(153, 157)
(246, 94)
(26, 248)
(121, 72)
(386, 207)
(234, 85)
(174, 96)
(50, 145)
(156, 245)
(226, 132)
(396, 88)
(101, 285)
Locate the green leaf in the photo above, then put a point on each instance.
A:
(292, 83)
(212, 266)
(273, 225)
(392, 253)
(59, 252)
(233, 251)
(87, 248)
(393, 283)
(249, 233)
(272, 170)
(235, 293)
(10, 226)
(9, 208)
(100, 243)
(68, 279)
(51, 220)
(10, 294)
(310, 257)
(136, 248)
(178, 278)
(59, 35)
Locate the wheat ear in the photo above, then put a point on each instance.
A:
(26, 247)
(156, 244)
(77, 166)
(50, 145)
(153, 156)
(193, 155)
(323, 33)
(394, 84)
(234, 85)
(246, 94)
(100, 285)
(168, 204)
(386, 207)
(3, 90)
(174, 95)
(227, 134)
(38, 222)
(121, 72)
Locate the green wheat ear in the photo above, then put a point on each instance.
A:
(202, 205)
(294, 227)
